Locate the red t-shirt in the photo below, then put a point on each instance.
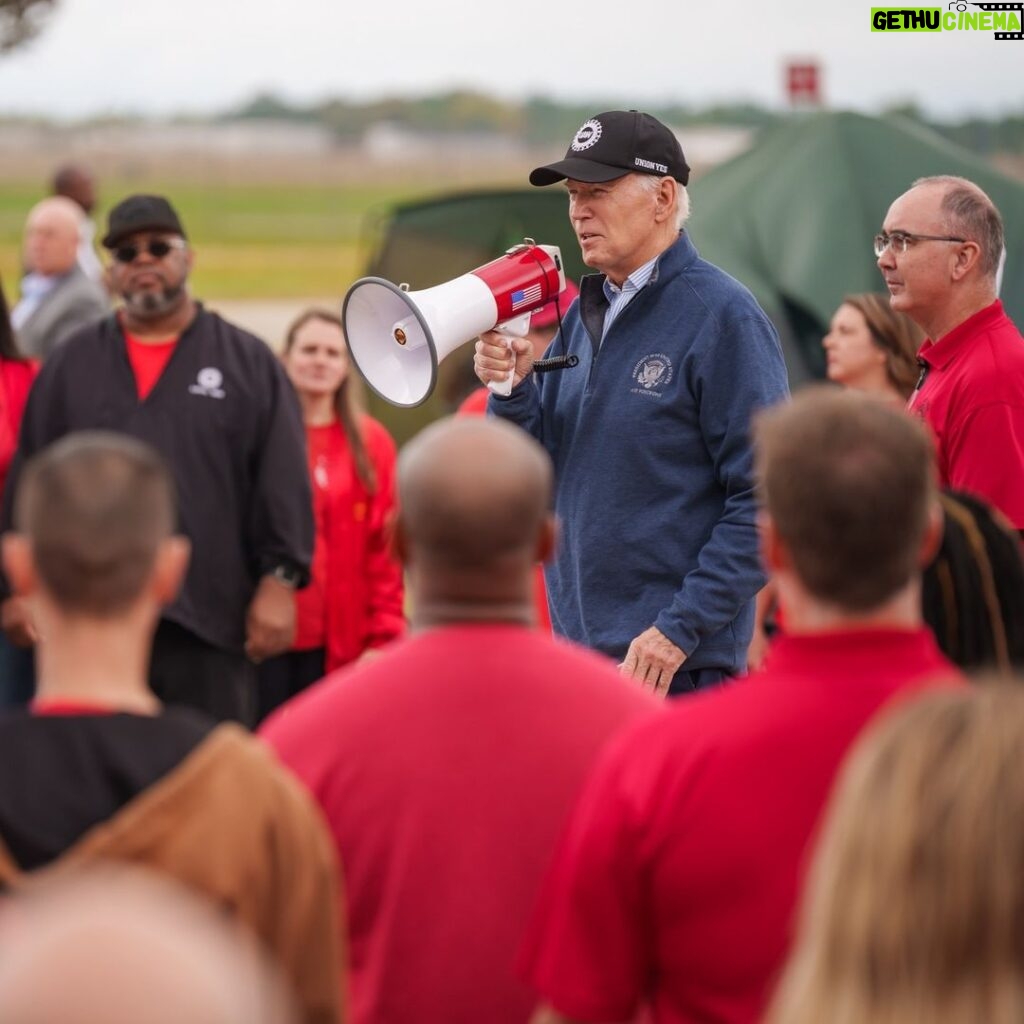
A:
(148, 359)
(474, 404)
(973, 401)
(325, 447)
(676, 882)
(445, 768)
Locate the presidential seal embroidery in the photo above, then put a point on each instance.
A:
(653, 373)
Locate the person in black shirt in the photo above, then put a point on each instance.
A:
(215, 402)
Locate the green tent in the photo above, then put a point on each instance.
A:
(427, 242)
(793, 218)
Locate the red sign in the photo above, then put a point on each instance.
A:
(803, 84)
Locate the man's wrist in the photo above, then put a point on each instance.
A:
(287, 575)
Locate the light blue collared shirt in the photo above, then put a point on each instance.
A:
(619, 298)
(34, 288)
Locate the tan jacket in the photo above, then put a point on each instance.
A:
(231, 823)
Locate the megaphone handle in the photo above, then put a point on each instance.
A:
(510, 329)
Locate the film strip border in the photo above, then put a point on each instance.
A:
(1018, 7)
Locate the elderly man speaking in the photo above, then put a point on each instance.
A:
(658, 563)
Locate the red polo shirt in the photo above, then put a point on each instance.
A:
(973, 400)
(677, 880)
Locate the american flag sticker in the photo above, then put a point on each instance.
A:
(526, 297)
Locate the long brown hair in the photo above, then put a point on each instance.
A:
(348, 403)
(895, 334)
(915, 907)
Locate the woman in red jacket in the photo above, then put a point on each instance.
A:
(16, 376)
(354, 600)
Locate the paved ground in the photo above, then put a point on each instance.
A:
(269, 318)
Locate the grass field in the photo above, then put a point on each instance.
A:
(252, 241)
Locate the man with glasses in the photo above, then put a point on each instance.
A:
(939, 251)
(218, 406)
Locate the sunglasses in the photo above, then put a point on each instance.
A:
(158, 248)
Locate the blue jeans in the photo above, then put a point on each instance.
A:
(690, 681)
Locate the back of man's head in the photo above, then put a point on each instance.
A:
(475, 495)
(95, 507)
(848, 483)
(76, 182)
(969, 213)
(122, 946)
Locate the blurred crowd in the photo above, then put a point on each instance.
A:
(295, 727)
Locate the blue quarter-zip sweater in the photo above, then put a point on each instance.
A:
(650, 437)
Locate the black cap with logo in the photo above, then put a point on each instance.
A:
(615, 143)
(141, 213)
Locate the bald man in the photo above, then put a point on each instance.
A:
(57, 296)
(940, 250)
(130, 947)
(446, 765)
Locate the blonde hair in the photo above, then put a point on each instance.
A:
(914, 911)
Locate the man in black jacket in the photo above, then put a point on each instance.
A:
(216, 403)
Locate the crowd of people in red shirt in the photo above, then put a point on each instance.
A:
(448, 814)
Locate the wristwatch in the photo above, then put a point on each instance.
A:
(288, 575)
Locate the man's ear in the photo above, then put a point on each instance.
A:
(666, 198)
(966, 260)
(398, 541)
(19, 565)
(169, 568)
(547, 539)
(774, 553)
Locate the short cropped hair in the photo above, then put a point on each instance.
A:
(972, 215)
(849, 483)
(95, 507)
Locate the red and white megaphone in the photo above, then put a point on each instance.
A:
(397, 337)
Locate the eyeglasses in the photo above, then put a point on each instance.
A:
(158, 248)
(899, 240)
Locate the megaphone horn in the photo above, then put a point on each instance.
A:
(397, 337)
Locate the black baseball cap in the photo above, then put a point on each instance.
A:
(141, 213)
(615, 143)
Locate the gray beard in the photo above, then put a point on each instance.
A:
(153, 305)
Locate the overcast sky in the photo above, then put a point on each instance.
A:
(201, 56)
